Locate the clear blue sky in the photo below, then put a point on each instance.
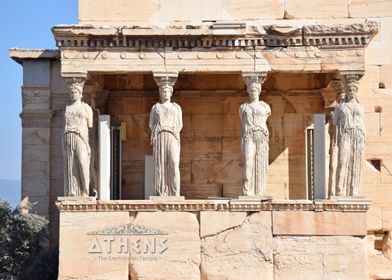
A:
(24, 24)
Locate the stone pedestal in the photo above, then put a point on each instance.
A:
(255, 198)
(167, 198)
(76, 198)
(212, 239)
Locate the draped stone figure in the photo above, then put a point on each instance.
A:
(350, 136)
(166, 124)
(254, 139)
(76, 148)
(338, 96)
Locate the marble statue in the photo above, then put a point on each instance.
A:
(77, 153)
(165, 125)
(254, 140)
(333, 148)
(348, 117)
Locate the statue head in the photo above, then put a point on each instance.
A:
(165, 92)
(352, 90)
(254, 89)
(76, 89)
(351, 87)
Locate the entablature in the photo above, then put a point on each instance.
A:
(217, 47)
(223, 35)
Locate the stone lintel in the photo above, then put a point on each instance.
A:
(19, 55)
(233, 205)
(301, 59)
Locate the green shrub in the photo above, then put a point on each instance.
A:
(24, 252)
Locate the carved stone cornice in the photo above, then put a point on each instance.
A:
(238, 35)
(340, 35)
(233, 205)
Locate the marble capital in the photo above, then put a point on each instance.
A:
(254, 76)
(351, 75)
(74, 77)
(165, 78)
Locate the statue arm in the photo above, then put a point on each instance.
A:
(335, 116)
(152, 124)
(90, 116)
(179, 119)
(268, 109)
(363, 120)
(240, 110)
(152, 118)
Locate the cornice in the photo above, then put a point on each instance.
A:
(220, 35)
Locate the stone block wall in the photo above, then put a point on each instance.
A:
(211, 240)
(36, 119)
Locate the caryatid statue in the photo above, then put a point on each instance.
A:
(254, 137)
(76, 148)
(333, 95)
(166, 124)
(348, 117)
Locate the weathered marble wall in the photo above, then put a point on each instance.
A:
(164, 12)
(211, 240)
(36, 121)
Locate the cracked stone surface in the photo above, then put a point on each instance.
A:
(242, 252)
(214, 222)
(181, 260)
(320, 257)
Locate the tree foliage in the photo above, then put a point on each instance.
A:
(24, 250)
